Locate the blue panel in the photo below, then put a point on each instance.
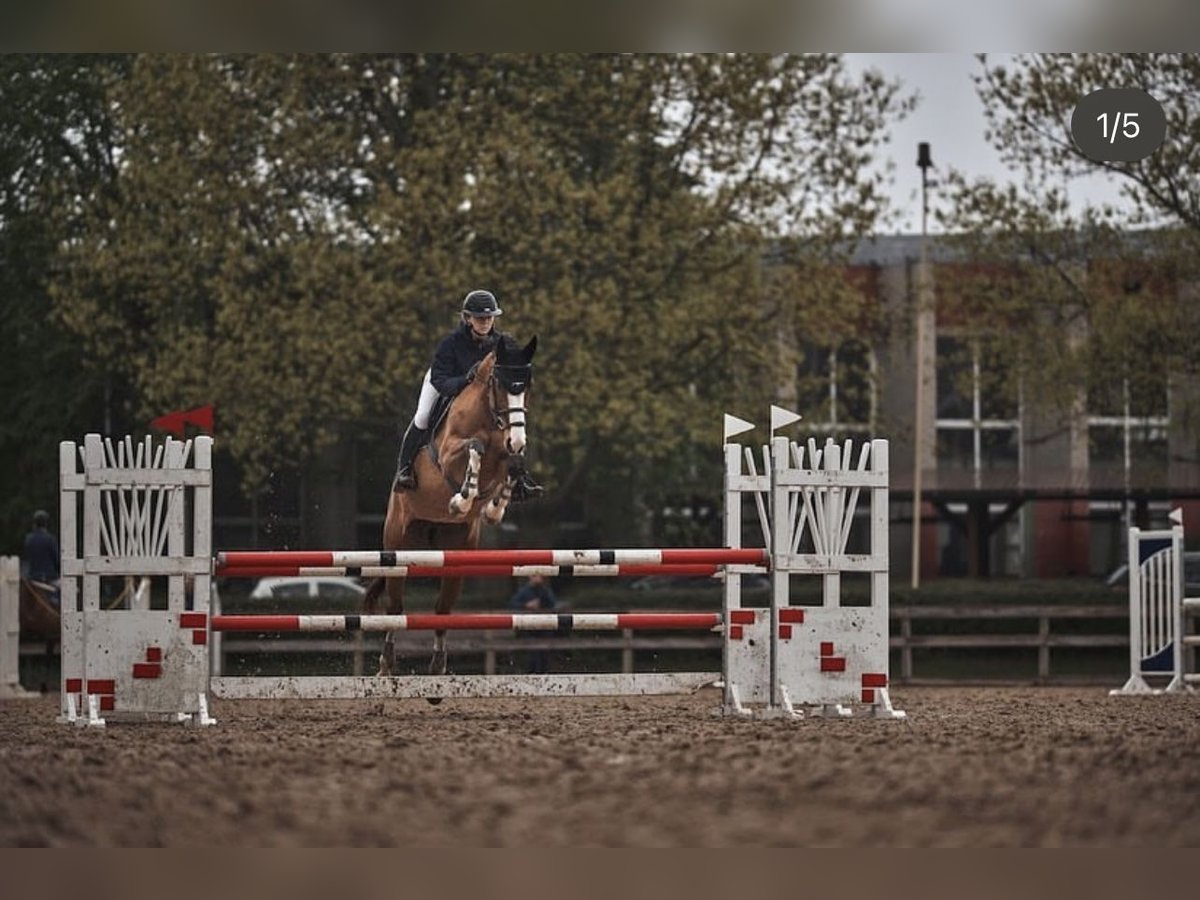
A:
(1162, 661)
(1147, 547)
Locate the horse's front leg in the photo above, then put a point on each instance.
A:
(496, 507)
(463, 499)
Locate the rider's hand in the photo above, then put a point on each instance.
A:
(472, 372)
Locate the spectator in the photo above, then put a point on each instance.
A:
(536, 596)
(40, 556)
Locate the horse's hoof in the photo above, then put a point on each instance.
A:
(434, 701)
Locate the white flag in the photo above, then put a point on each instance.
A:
(781, 417)
(734, 425)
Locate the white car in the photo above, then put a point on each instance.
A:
(326, 587)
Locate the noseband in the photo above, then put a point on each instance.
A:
(516, 379)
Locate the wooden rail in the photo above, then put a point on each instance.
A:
(1044, 639)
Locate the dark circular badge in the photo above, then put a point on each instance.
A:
(1118, 125)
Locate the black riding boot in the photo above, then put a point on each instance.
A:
(413, 440)
(524, 487)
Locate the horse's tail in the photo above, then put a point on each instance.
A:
(374, 589)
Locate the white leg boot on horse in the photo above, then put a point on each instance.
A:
(498, 505)
(462, 501)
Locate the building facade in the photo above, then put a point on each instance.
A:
(1006, 488)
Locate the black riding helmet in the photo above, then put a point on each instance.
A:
(481, 303)
(41, 517)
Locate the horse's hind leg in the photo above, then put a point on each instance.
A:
(395, 529)
(395, 606)
(451, 590)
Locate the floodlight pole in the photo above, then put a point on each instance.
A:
(925, 162)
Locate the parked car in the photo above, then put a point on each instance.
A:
(678, 582)
(1191, 574)
(325, 587)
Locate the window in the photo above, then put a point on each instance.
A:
(978, 435)
(836, 388)
(1127, 432)
(978, 402)
(1127, 448)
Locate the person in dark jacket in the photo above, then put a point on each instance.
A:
(536, 596)
(39, 555)
(455, 363)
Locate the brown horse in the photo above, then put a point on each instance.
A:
(39, 615)
(464, 477)
(39, 618)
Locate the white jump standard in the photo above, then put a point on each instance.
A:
(148, 511)
(1158, 612)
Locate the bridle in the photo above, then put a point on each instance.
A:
(504, 417)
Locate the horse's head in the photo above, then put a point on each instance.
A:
(512, 375)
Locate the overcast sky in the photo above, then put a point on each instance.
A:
(950, 117)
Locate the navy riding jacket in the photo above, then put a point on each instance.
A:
(546, 600)
(40, 555)
(454, 357)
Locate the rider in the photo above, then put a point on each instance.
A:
(455, 363)
(39, 555)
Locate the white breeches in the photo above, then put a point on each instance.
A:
(425, 403)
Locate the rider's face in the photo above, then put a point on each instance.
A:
(481, 325)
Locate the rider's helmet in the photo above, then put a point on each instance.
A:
(481, 303)
(41, 518)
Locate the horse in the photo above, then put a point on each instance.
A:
(39, 618)
(464, 478)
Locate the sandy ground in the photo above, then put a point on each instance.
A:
(975, 767)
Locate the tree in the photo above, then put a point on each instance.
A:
(1082, 300)
(286, 237)
(55, 144)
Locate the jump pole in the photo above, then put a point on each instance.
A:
(474, 571)
(561, 623)
(236, 559)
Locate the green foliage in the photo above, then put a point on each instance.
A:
(287, 237)
(1093, 298)
(54, 145)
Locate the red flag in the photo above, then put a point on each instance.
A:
(175, 422)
